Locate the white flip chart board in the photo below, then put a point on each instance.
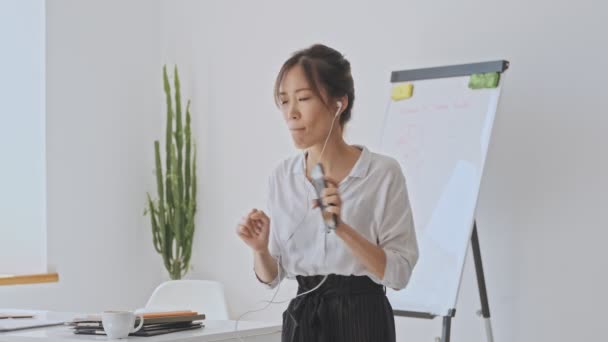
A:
(439, 129)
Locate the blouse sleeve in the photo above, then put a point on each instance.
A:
(273, 242)
(396, 234)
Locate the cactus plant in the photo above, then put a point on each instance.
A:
(172, 213)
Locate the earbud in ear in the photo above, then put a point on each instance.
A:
(339, 104)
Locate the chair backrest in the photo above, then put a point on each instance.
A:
(203, 296)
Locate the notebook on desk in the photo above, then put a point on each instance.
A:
(145, 331)
(153, 318)
(7, 316)
(9, 324)
(155, 323)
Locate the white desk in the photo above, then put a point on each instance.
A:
(213, 331)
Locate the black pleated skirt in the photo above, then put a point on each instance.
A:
(344, 308)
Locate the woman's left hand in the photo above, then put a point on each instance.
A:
(330, 197)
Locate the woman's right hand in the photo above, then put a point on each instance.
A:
(254, 230)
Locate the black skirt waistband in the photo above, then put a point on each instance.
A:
(339, 285)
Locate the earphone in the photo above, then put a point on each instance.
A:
(339, 104)
(298, 225)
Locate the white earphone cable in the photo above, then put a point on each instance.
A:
(271, 301)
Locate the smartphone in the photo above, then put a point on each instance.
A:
(318, 181)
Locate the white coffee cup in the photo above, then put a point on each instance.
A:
(119, 324)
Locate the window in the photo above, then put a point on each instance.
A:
(22, 138)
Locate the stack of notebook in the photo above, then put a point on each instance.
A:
(155, 323)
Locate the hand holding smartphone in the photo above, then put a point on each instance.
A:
(318, 180)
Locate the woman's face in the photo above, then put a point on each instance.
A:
(307, 117)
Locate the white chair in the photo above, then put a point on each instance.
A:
(202, 296)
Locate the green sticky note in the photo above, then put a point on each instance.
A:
(487, 80)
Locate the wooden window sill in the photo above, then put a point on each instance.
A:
(29, 279)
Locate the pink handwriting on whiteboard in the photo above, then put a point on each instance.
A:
(460, 104)
(408, 135)
(406, 111)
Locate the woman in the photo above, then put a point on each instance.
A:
(341, 274)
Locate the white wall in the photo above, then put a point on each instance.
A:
(104, 109)
(540, 206)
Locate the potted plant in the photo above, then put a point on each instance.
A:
(172, 213)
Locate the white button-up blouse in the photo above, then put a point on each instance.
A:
(374, 202)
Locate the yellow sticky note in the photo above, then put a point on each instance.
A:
(402, 91)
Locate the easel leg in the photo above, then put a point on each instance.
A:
(447, 325)
(481, 283)
(489, 329)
